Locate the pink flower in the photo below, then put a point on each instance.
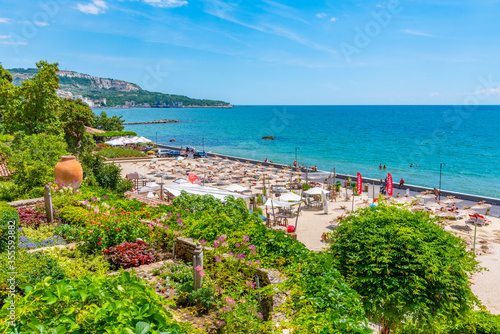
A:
(117, 229)
(113, 209)
(99, 243)
(91, 231)
(201, 273)
(99, 238)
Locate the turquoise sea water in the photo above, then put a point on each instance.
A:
(351, 138)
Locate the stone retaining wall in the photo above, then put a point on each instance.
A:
(25, 202)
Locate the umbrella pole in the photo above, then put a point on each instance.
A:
(272, 207)
(352, 201)
(475, 230)
(298, 212)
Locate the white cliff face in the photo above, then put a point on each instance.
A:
(92, 82)
(102, 83)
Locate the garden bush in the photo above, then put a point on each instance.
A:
(74, 215)
(424, 270)
(94, 304)
(9, 224)
(202, 299)
(321, 300)
(76, 264)
(30, 268)
(176, 273)
(8, 191)
(107, 176)
(31, 217)
(70, 233)
(130, 254)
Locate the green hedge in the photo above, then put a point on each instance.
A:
(9, 222)
(115, 134)
(120, 152)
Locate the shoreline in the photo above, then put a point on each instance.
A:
(366, 180)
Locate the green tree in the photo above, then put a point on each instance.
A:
(33, 160)
(6, 90)
(405, 267)
(32, 107)
(74, 115)
(103, 122)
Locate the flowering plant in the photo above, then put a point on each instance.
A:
(130, 254)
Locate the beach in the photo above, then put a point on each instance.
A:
(313, 222)
(350, 138)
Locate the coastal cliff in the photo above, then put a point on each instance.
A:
(105, 92)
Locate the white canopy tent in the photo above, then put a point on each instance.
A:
(277, 204)
(316, 191)
(290, 197)
(115, 142)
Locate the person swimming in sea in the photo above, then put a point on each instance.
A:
(385, 167)
(380, 166)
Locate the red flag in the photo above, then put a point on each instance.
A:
(389, 184)
(193, 178)
(360, 184)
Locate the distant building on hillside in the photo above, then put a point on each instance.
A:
(130, 103)
(177, 104)
(88, 101)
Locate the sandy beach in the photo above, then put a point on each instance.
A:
(313, 222)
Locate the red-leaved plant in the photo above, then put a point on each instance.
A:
(30, 217)
(130, 254)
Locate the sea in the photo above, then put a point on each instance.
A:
(421, 144)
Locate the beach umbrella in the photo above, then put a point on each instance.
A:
(236, 187)
(481, 206)
(451, 200)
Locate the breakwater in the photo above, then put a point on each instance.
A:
(161, 121)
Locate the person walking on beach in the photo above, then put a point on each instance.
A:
(265, 160)
(295, 163)
(401, 183)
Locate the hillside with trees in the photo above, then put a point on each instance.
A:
(116, 92)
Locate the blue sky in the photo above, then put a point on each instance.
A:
(269, 51)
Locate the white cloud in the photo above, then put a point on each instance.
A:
(434, 94)
(417, 33)
(4, 36)
(95, 7)
(333, 19)
(167, 3)
(4, 20)
(41, 23)
(321, 15)
(489, 91)
(13, 43)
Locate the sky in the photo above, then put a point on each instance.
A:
(269, 52)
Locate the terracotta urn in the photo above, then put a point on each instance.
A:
(68, 171)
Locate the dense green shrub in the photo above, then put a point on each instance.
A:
(76, 264)
(94, 304)
(33, 161)
(424, 270)
(8, 191)
(9, 224)
(321, 300)
(474, 322)
(120, 152)
(75, 215)
(97, 173)
(30, 268)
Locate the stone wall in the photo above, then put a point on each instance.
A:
(25, 202)
(184, 249)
